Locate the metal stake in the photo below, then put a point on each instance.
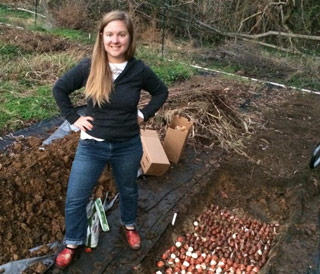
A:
(163, 25)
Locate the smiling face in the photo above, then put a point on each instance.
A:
(116, 39)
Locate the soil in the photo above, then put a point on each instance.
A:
(266, 178)
(273, 185)
(35, 42)
(33, 187)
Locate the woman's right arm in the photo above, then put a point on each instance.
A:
(74, 79)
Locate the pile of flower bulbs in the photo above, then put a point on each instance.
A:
(221, 243)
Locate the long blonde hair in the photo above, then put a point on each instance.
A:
(100, 84)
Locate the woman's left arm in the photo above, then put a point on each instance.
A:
(157, 89)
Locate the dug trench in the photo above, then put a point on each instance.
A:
(252, 195)
(269, 182)
(274, 185)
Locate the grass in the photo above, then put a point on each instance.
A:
(168, 71)
(295, 70)
(27, 20)
(15, 17)
(264, 64)
(7, 12)
(8, 51)
(173, 71)
(302, 82)
(230, 68)
(17, 109)
(26, 81)
(35, 106)
(74, 35)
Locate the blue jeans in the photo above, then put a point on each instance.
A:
(90, 160)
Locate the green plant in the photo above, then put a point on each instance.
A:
(37, 69)
(230, 68)
(8, 50)
(300, 81)
(17, 108)
(172, 71)
(74, 35)
(168, 70)
(3, 14)
(6, 11)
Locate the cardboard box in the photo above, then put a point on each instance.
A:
(176, 138)
(154, 160)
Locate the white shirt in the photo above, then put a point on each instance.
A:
(116, 69)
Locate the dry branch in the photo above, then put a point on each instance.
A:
(293, 50)
(32, 12)
(188, 16)
(252, 37)
(277, 33)
(11, 26)
(261, 35)
(246, 19)
(216, 121)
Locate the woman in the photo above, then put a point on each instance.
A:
(110, 131)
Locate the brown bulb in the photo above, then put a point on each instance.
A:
(173, 249)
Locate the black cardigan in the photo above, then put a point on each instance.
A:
(118, 119)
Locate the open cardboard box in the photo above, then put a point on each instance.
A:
(176, 138)
(154, 160)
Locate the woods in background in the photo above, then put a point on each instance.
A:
(288, 25)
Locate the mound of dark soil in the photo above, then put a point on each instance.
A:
(33, 189)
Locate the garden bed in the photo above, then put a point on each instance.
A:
(260, 173)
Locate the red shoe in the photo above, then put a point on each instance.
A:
(65, 257)
(133, 238)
